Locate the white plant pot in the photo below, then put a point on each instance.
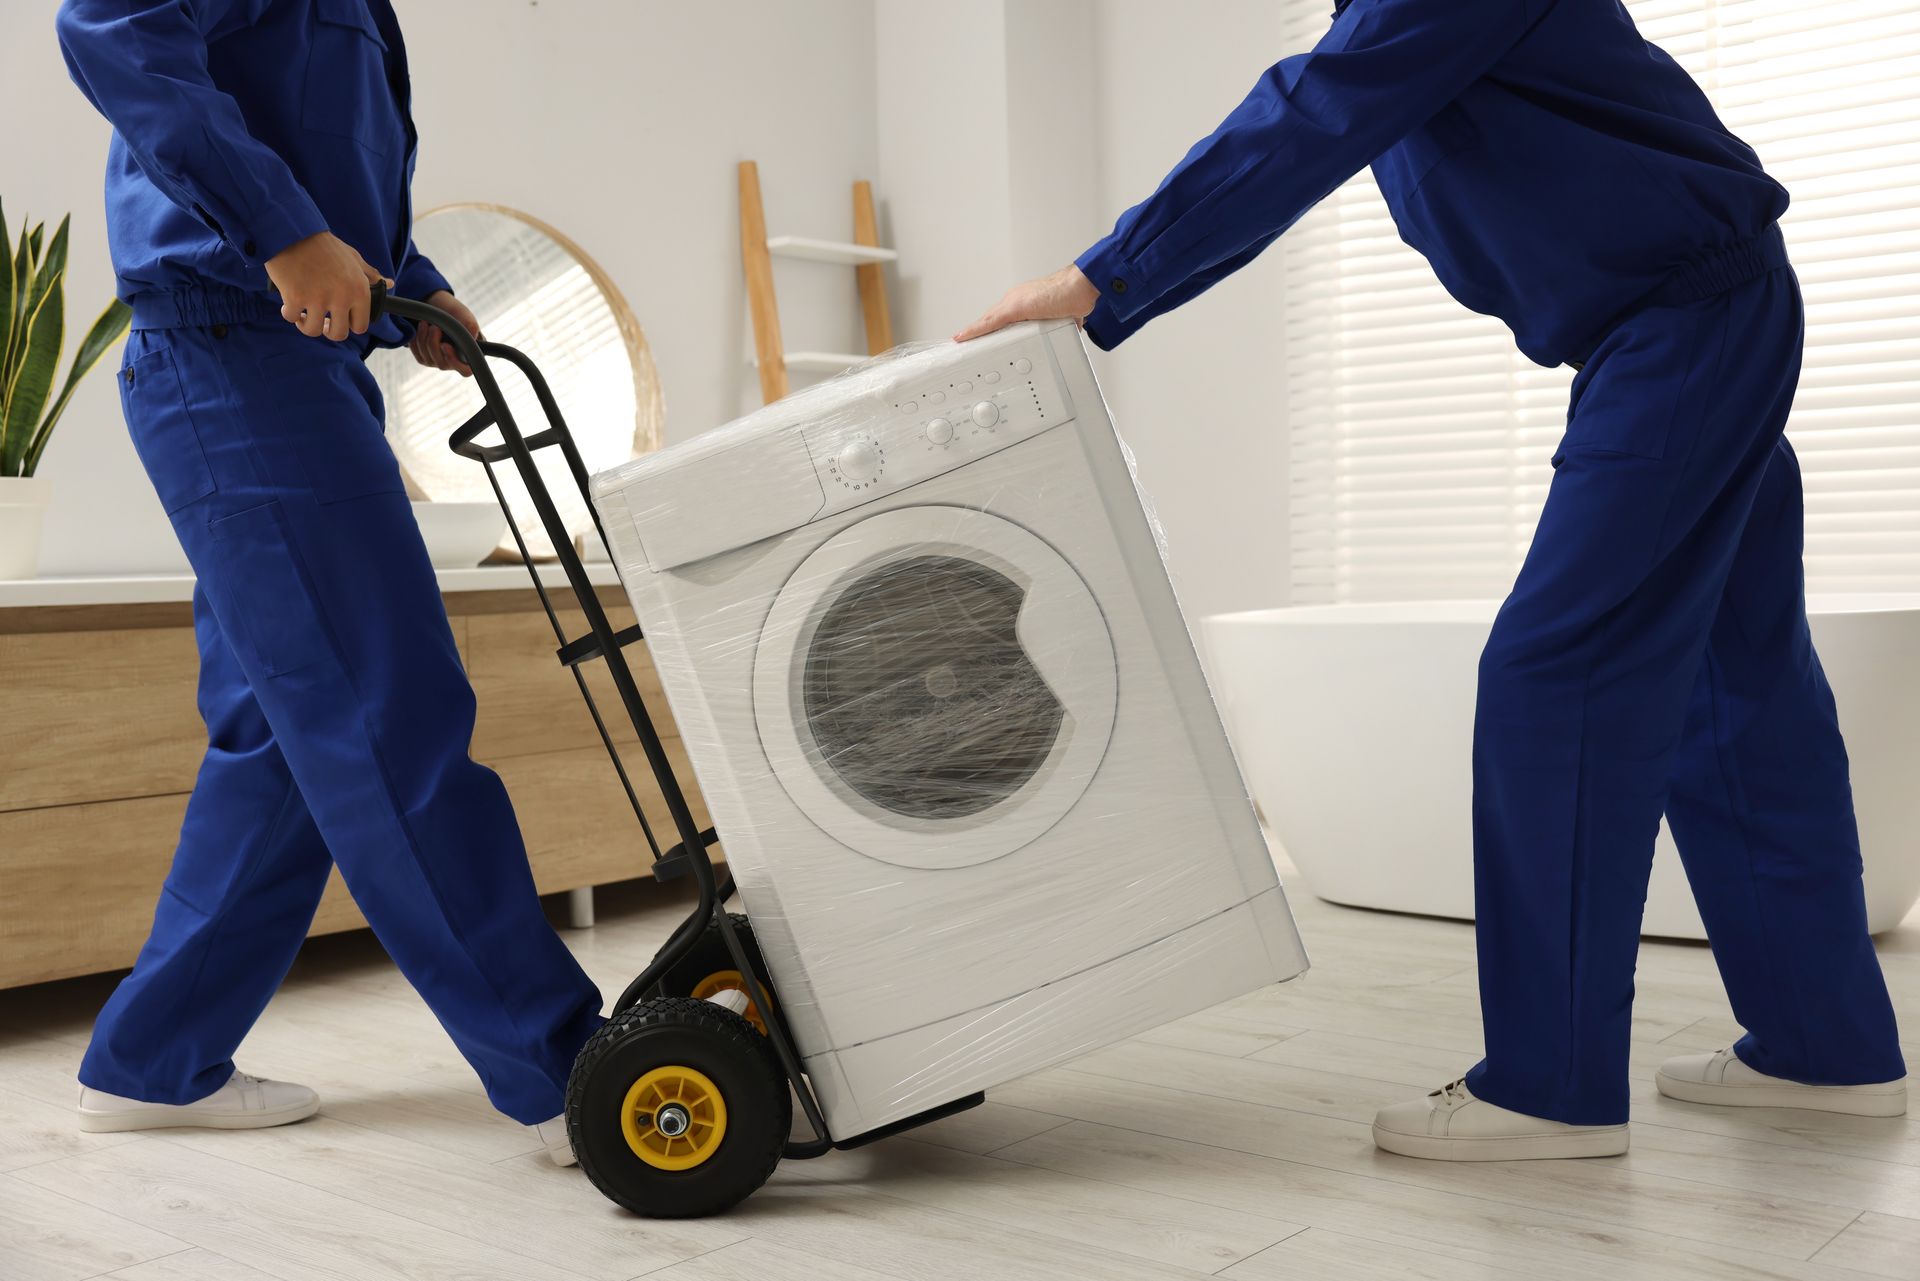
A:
(23, 508)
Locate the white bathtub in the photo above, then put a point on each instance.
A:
(1354, 725)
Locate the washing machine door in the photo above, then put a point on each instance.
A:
(935, 686)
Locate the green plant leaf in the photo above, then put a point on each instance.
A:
(6, 306)
(40, 356)
(44, 277)
(22, 273)
(105, 332)
(53, 264)
(22, 282)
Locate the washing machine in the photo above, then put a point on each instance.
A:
(918, 639)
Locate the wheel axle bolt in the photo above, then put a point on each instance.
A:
(672, 1120)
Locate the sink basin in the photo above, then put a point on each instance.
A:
(460, 535)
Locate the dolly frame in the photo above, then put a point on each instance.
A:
(690, 855)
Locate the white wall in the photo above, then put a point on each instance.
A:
(1053, 132)
(941, 131)
(619, 122)
(987, 169)
(1197, 393)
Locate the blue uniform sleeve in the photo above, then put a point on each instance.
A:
(143, 63)
(417, 277)
(1106, 328)
(1312, 122)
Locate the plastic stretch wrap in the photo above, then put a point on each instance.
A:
(918, 637)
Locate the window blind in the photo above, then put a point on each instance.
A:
(1419, 437)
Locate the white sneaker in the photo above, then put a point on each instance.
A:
(1723, 1078)
(559, 1145)
(243, 1103)
(1451, 1125)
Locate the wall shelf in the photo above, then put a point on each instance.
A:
(835, 251)
(820, 362)
(863, 253)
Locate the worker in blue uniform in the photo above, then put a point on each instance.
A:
(257, 184)
(1563, 174)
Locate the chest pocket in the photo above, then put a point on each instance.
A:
(347, 91)
(1405, 165)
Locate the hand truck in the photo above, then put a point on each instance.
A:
(677, 1107)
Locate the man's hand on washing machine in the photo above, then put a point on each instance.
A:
(430, 346)
(1065, 295)
(325, 286)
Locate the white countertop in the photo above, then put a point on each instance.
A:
(140, 589)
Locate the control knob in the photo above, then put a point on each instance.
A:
(859, 460)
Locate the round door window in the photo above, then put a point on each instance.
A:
(918, 695)
(935, 686)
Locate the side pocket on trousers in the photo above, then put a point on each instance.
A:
(1658, 366)
(263, 594)
(163, 430)
(1766, 588)
(328, 415)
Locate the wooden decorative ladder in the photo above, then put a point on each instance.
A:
(757, 251)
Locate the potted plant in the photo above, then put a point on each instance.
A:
(33, 329)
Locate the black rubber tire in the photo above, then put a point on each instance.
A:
(710, 956)
(696, 1034)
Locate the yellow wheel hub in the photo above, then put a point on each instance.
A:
(732, 980)
(674, 1118)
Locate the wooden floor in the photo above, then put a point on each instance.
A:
(1233, 1144)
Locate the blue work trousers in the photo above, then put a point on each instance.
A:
(1655, 657)
(338, 721)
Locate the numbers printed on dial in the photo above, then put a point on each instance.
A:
(859, 462)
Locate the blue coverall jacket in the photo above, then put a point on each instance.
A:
(1552, 165)
(201, 193)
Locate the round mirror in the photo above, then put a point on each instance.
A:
(535, 290)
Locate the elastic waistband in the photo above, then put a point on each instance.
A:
(1724, 269)
(1705, 277)
(200, 306)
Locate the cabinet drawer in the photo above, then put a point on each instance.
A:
(106, 715)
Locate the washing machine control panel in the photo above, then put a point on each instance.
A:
(981, 399)
(806, 457)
